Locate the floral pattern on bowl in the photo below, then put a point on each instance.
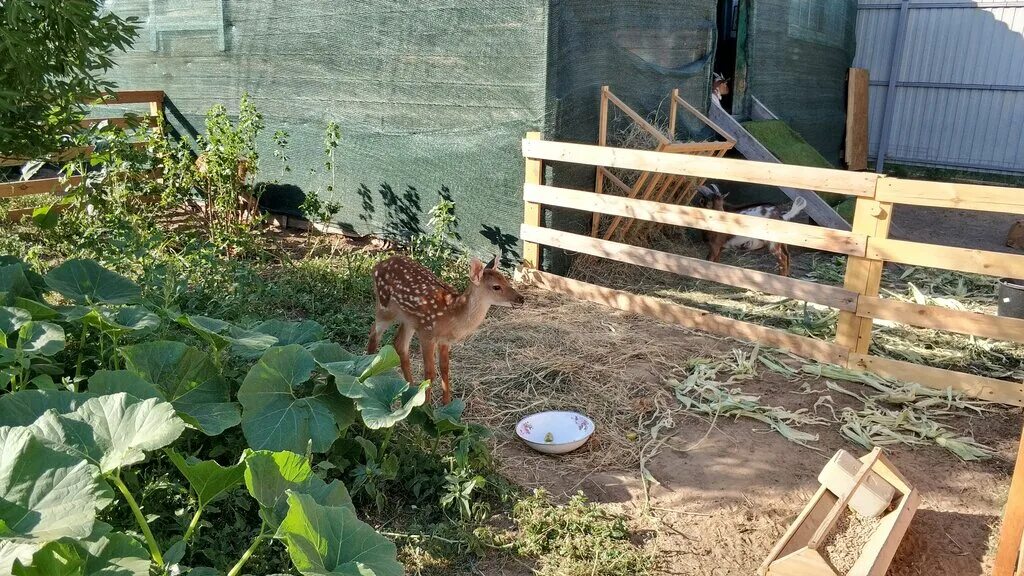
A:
(555, 432)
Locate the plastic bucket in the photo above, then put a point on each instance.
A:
(1011, 298)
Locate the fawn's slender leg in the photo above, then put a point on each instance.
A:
(377, 329)
(446, 383)
(429, 362)
(781, 253)
(402, 340)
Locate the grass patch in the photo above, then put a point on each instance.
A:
(579, 537)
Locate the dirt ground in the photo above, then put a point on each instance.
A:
(961, 228)
(726, 493)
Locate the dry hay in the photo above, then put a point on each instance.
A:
(561, 354)
(847, 539)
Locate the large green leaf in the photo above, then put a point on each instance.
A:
(327, 352)
(304, 332)
(86, 282)
(35, 280)
(283, 410)
(113, 381)
(387, 399)
(363, 367)
(187, 378)
(327, 541)
(221, 334)
(270, 475)
(42, 338)
(112, 431)
(207, 478)
(38, 310)
(14, 282)
(113, 554)
(25, 407)
(13, 318)
(44, 494)
(128, 319)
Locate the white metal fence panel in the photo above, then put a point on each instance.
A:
(947, 82)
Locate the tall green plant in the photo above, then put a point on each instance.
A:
(53, 56)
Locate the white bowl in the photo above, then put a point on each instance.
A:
(555, 432)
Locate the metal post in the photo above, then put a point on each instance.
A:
(890, 94)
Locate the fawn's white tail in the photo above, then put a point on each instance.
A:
(798, 206)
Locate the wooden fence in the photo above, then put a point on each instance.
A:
(671, 188)
(58, 186)
(867, 247)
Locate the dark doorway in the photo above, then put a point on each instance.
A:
(725, 56)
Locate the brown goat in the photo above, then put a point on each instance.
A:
(718, 241)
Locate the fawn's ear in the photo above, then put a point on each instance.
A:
(493, 265)
(476, 271)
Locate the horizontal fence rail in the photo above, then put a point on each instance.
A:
(59, 186)
(867, 247)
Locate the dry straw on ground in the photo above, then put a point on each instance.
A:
(560, 354)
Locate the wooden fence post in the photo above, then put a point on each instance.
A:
(857, 119)
(1013, 521)
(602, 140)
(863, 275)
(532, 212)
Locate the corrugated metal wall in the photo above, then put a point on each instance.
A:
(947, 81)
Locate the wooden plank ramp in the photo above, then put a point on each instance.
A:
(746, 144)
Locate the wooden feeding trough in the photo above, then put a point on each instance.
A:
(801, 551)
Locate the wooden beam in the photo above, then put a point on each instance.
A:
(817, 209)
(758, 111)
(697, 147)
(828, 180)
(693, 318)
(996, 264)
(831, 296)
(700, 116)
(41, 186)
(936, 318)
(950, 195)
(863, 275)
(716, 221)
(602, 140)
(991, 389)
(647, 126)
(532, 211)
(131, 97)
(1012, 531)
(673, 111)
(857, 119)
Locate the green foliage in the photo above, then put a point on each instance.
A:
(327, 541)
(183, 376)
(54, 55)
(285, 408)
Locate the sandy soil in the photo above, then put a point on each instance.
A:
(727, 494)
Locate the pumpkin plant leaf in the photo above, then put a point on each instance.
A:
(304, 332)
(269, 476)
(112, 431)
(11, 319)
(388, 399)
(45, 494)
(207, 478)
(112, 554)
(26, 406)
(283, 410)
(86, 282)
(327, 541)
(187, 378)
(42, 338)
